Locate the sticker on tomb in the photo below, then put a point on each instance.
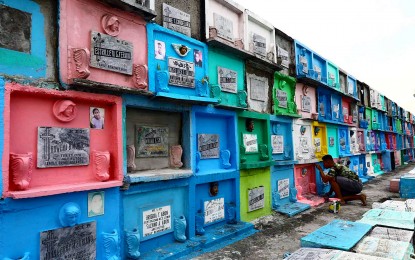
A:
(96, 203)
(303, 61)
(111, 53)
(258, 88)
(282, 57)
(259, 44)
(282, 98)
(331, 141)
(277, 142)
(251, 143)
(227, 80)
(198, 58)
(224, 27)
(77, 242)
(306, 104)
(284, 188)
(208, 145)
(159, 50)
(156, 220)
(182, 73)
(214, 210)
(342, 143)
(15, 29)
(345, 111)
(58, 147)
(317, 144)
(354, 114)
(317, 70)
(176, 20)
(152, 141)
(256, 198)
(96, 117)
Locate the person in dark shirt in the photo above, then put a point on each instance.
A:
(344, 182)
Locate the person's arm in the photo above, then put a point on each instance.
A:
(324, 177)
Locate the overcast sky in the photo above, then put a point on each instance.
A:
(372, 40)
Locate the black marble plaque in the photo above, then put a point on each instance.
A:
(57, 147)
(111, 53)
(15, 29)
(77, 242)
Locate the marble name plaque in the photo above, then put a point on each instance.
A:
(152, 141)
(284, 188)
(277, 143)
(223, 26)
(306, 104)
(111, 53)
(251, 143)
(77, 242)
(182, 73)
(176, 20)
(256, 198)
(214, 210)
(282, 98)
(260, 45)
(208, 145)
(258, 87)
(156, 220)
(227, 80)
(282, 56)
(58, 147)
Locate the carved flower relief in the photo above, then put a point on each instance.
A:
(140, 76)
(64, 110)
(111, 24)
(79, 57)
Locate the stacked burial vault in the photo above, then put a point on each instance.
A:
(209, 118)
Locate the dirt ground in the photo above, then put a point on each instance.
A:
(280, 234)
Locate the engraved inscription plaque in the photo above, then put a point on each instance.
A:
(227, 80)
(282, 98)
(57, 147)
(282, 57)
(111, 53)
(257, 88)
(284, 188)
(15, 29)
(277, 143)
(152, 141)
(223, 26)
(256, 198)
(77, 242)
(182, 73)
(251, 143)
(260, 44)
(305, 104)
(176, 20)
(214, 210)
(156, 220)
(208, 145)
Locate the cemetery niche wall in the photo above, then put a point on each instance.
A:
(178, 66)
(102, 47)
(53, 133)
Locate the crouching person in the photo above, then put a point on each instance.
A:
(344, 182)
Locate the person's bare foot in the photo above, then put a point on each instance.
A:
(363, 199)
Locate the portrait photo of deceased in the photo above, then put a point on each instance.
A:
(96, 203)
(159, 50)
(198, 58)
(96, 117)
